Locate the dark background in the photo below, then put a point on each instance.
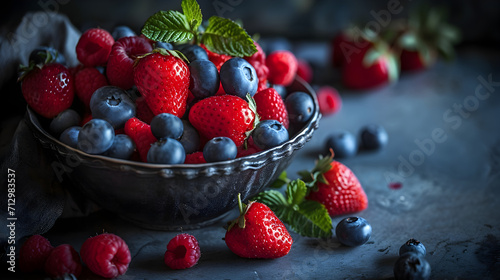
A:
(294, 19)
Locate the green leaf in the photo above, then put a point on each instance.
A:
(280, 182)
(224, 36)
(296, 192)
(306, 217)
(167, 26)
(313, 220)
(193, 14)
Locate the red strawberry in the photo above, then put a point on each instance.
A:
(348, 42)
(94, 46)
(88, 80)
(336, 187)
(282, 67)
(48, 89)
(217, 59)
(163, 80)
(224, 115)
(258, 233)
(195, 158)
(414, 60)
(120, 67)
(370, 68)
(270, 106)
(142, 110)
(141, 134)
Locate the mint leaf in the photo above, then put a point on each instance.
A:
(168, 26)
(296, 192)
(192, 12)
(306, 217)
(313, 220)
(227, 37)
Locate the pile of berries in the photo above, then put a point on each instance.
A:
(106, 255)
(137, 99)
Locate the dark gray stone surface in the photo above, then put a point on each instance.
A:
(449, 198)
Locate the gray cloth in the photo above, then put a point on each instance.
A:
(40, 198)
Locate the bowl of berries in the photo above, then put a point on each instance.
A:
(166, 131)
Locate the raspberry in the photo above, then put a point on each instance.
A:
(282, 67)
(88, 80)
(182, 252)
(142, 110)
(94, 47)
(141, 134)
(304, 70)
(329, 100)
(120, 67)
(249, 150)
(195, 158)
(33, 253)
(106, 255)
(63, 259)
(258, 61)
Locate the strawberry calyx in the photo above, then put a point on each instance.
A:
(241, 218)
(253, 107)
(382, 52)
(26, 69)
(162, 51)
(316, 175)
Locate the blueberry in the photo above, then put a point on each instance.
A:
(163, 45)
(193, 52)
(238, 77)
(122, 147)
(70, 136)
(166, 125)
(122, 31)
(39, 55)
(353, 231)
(96, 136)
(219, 149)
(412, 245)
(269, 133)
(343, 144)
(63, 120)
(412, 266)
(190, 139)
(373, 137)
(166, 151)
(204, 80)
(281, 90)
(112, 104)
(300, 107)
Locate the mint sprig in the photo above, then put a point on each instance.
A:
(222, 36)
(306, 217)
(226, 36)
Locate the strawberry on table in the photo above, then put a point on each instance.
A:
(258, 233)
(224, 115)
(335, 186)
(163, 79)
(48, 88)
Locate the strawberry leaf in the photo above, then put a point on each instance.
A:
(192, 12)
(306, 217)
(224, 36)
(168, 26)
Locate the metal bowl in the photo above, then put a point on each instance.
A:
(169, 197)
